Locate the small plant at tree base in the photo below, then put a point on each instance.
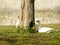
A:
(26, 30)
(30, 30)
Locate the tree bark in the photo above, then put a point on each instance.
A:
(27, 16)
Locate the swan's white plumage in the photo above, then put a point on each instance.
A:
(44, 29)
(17, 23)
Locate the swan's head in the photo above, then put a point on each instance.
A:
(37, 21)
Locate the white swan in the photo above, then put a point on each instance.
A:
(43, 29)
(17, 22)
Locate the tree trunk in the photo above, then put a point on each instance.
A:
(27, 16)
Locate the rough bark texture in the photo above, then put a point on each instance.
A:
(27, 17)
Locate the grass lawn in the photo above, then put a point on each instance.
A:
(9, 35)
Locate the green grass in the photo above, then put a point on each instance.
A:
(9, 35)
